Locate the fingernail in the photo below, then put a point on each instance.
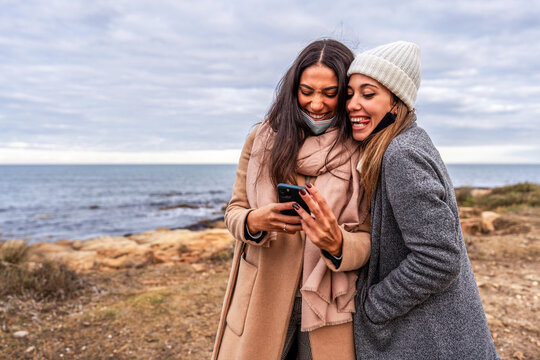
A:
(296, 206)
(303, 192)
(308, 185)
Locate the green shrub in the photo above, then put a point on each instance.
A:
(464, 197)
(521, 194)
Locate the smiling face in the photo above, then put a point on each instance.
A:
(368, 102)
(317, 92)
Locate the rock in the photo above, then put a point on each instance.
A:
(506, 225)
(467, 212)
(136, 251)
(218, 224)
(180, 206)
(198, 267)
(77, 245)
(488, 217)
(30, 349)
(51, 249)
(124, 262)
(471, 226)
(206, 223)
(20, 334)
(480, 192)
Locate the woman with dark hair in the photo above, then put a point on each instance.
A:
(417, 298)
(292, 284)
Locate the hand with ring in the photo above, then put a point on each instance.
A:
(270, 218)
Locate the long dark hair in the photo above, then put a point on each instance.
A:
(285, 116)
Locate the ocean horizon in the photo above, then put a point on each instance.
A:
(53, 202)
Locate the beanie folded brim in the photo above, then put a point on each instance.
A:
(388, 74)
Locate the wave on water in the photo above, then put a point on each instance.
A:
(189, 193)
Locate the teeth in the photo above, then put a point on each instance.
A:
(356, 120)
(359, 126)
(316, 117)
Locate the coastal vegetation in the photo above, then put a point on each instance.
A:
(525, 194)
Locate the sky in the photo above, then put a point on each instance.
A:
(174, 81)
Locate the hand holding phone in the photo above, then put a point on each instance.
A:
(287, 193)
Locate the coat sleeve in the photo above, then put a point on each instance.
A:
(238, 207)
(410, 178)
(356, 249)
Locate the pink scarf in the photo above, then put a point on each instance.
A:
(327, 296)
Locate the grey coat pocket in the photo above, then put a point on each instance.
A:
(236, 316)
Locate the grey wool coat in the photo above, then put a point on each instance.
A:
(417, 297)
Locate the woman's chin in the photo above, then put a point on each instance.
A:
(360, 134)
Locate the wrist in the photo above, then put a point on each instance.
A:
(338, 249)
(336, 252)
(250, 224)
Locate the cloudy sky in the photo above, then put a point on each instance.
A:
(176, 81)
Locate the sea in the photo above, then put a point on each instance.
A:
(78, 202)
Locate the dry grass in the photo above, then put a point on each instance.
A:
(45, 281)
(13, 251)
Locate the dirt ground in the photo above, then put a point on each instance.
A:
(507, 270)
(170, 311)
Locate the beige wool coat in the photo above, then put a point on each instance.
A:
(263, 283)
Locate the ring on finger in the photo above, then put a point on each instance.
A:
(285, 227)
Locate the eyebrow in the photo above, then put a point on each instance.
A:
(366, 85)
(310, 88)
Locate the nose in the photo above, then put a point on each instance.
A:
(317, 104)
(353, 104)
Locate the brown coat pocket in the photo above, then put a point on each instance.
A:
(236, 315)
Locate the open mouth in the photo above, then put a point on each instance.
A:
(317, 117)
(360, 122)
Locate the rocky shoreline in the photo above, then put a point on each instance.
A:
(159, 246)
(204, 240)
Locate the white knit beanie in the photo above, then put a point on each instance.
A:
(395, 65)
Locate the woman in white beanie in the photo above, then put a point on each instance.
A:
(417, 298)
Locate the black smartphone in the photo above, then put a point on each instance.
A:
(286, 193)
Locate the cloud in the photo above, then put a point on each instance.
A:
(172, 76)
(489, 154)
(20, 154)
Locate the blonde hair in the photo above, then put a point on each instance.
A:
(375, 145)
